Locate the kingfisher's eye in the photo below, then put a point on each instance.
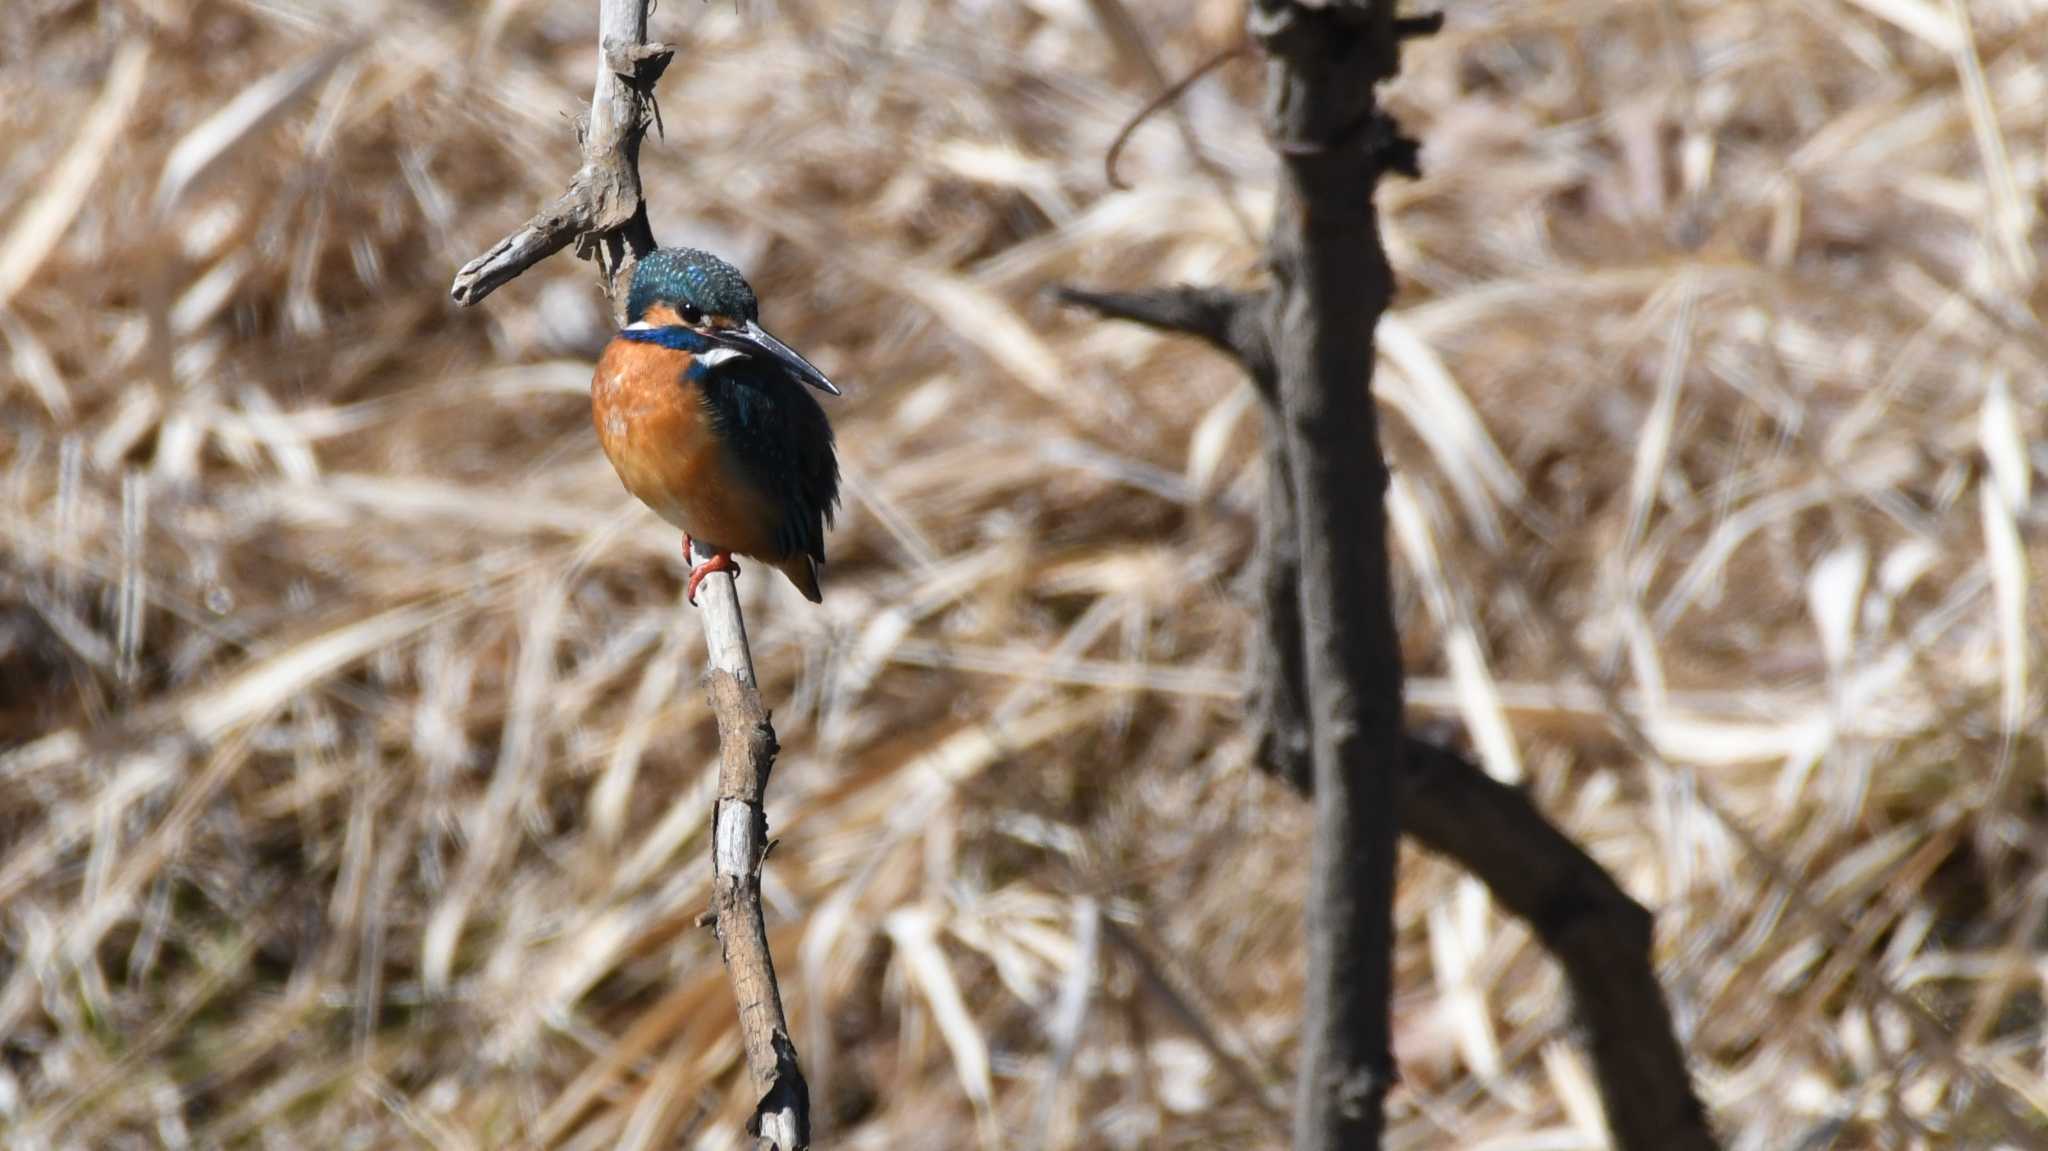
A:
(692, 314)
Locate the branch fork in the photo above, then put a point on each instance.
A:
(604, 213)
(1323, 60)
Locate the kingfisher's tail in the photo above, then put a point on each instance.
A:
(802, 571)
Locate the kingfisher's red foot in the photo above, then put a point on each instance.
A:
(719, 562)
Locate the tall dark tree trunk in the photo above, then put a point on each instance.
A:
(1331, 282)
(1326, 704)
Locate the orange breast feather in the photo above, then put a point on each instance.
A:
(654, 428)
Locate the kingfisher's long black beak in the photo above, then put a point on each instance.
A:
(754, 340)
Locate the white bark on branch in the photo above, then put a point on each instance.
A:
(739, 843)
(603, 212)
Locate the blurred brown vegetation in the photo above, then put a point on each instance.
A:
(355, 788)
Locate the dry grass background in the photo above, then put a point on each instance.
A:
(357, 780)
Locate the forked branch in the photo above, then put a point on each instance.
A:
(1335, 145)
(603, 212)
(605, 215)
(1600, 937)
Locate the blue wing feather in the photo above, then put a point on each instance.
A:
(779, 434)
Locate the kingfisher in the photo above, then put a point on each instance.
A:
(710, 421)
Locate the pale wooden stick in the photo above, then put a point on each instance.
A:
(739, 842)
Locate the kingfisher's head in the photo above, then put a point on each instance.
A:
(691, 299)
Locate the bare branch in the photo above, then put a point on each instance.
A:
(1231, 321)
(602, 212)
(554, 228)
(1126, 35)
(605, 215)
(1171, 93)
(1278, 708)
(1596, 932)
(1327, 258)
(1600, 936)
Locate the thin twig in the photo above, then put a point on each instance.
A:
(1130, 41)
(1231, 321)
(1172, 93)
(1597, 934)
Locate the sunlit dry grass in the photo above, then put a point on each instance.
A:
(357, 783)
